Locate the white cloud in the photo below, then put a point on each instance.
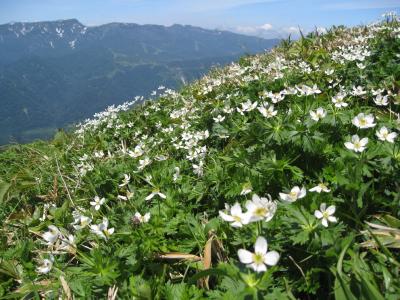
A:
(269, 31)
(254, 29)
(258, 29)
(266, 26)
(291, 29)
(246, 29)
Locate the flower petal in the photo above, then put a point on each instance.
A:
(285, 197)
(331, 210)
(349, 145)
(332, 219)
(245, 256)
(259, 267)
(318, 214)
(261, 245)
(236, 209)
(271, 258)
(236, 224)
(250, 205)
(302, 192)
(225, 217)
(149, 197)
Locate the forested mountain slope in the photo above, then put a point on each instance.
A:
(56, 73)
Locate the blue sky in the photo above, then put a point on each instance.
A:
(256, 17)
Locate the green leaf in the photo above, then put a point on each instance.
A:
(342, 289)
(206, 273)
(370, 291)
(4, 186)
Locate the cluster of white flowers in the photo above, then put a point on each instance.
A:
(258, 208)
(264, 209)
(180, 128)
(106, 117)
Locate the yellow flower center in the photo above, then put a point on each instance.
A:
(237, 218)
(258, 258)
(260, 211)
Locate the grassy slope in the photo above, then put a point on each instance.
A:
(43, 183)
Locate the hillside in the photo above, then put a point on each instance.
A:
(56, 73)
(275, 177)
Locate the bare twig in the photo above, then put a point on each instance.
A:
(67, 290)
(65, 185)
(112, 293)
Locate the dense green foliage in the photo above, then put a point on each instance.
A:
(56, 73)
(292, 123)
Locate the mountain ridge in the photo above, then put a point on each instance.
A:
(60, 72)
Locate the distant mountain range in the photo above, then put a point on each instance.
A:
(59, 72)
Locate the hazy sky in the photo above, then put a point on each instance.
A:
(265, 18)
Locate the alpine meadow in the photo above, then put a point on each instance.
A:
(275, 177)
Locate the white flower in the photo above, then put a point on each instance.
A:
(247, 106)
(261, 208)
(329, 71)
(161, 157)
(276, 97)
(139, 219)
(228, 110)
(338, 100)
(236, 217)
(317, 115)
(246, 189)
(381, 100)
(129, 195)
(81, 220)
(99, 154)
(122, 197)
(305, 90)
(176, 174)
(363, 121)
(144, 162)
(52, 235)
(377, 92)
(97, 202)
(102, 229)
(260, 258)
(321, 187)
(315, 90)
(295, 193)
(125, 181)
(358, 91)
(360, 66)
(46, 265)
(154, 193)
(219, 119)
(385, 135)
(326, 214)
(356, 144)
(268, 113)
(68, 244)
(198, 169)
(138, 151)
